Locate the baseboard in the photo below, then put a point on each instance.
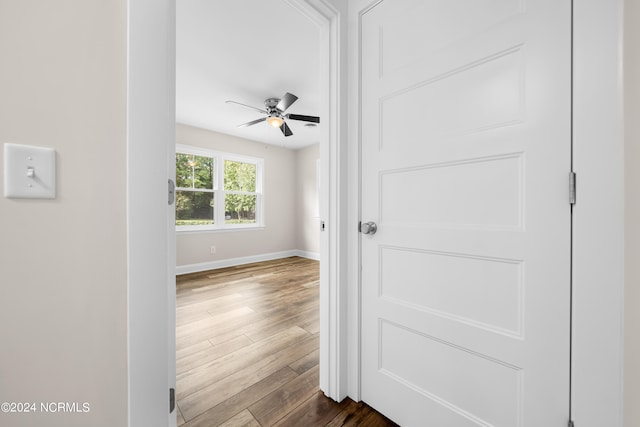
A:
(310, 255)
(231, 262)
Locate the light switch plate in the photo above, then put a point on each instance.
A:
(29, 172)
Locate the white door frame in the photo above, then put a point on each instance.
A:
(331, 22)
(598, 221)
(150, 246)
(151, 121)
(598, 227)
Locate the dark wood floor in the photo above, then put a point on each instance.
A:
(247, 350)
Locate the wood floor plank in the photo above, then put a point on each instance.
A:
(307, 362)
(211, 353)
(241, 401)
(251, 355)
(375, 419)
(179, 418)
(315, 411)
(312, 284)
(248, 349)
(213, 333)
(211, 322)
(216, 392)
(357, 414)
(284, 400)
(352, 415)
(194, 348)
(312, 324)
(272, 324)
(217, 290)
(206, 307)
(244, 285)
(243, 419)
(269, 322)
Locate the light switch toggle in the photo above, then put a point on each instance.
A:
(31, 172)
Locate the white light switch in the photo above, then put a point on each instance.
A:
(29, 172)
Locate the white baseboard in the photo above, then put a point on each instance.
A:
(310, 255)
(231, 262)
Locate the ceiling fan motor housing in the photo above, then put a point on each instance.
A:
(270, 104)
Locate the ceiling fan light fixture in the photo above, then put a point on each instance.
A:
(275, 121)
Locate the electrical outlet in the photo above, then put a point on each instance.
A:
(213, 250)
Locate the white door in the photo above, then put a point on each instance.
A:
(466, 155)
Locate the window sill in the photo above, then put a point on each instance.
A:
(226, 229)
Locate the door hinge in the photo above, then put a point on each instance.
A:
(359, 226)
(172, 192)
(570, 424)
(172, 399)
(572, 188)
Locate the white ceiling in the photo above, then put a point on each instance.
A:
(246, 51)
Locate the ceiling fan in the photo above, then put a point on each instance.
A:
(275, 109)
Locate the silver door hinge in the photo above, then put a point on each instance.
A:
(572, 188)
(172, 192)
(172, 399)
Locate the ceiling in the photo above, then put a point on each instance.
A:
(246, 51)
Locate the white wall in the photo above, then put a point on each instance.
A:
(63, 262)
(307, 200)
(280, 231)
(632, 214)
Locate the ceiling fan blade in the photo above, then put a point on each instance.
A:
(285, 129)
(312, 119)
(286, 101)
(253, 122)
(248, 106)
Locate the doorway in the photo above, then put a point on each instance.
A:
(329, 213)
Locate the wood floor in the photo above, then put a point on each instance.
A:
(247, 350)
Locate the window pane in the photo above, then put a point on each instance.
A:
(239, 176)
(240, 209)
(194, 208)
(194, 171)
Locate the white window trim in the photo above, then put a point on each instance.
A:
(219, 192)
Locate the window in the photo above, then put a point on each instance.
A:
(216, 190)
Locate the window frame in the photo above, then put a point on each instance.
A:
(219, 193)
